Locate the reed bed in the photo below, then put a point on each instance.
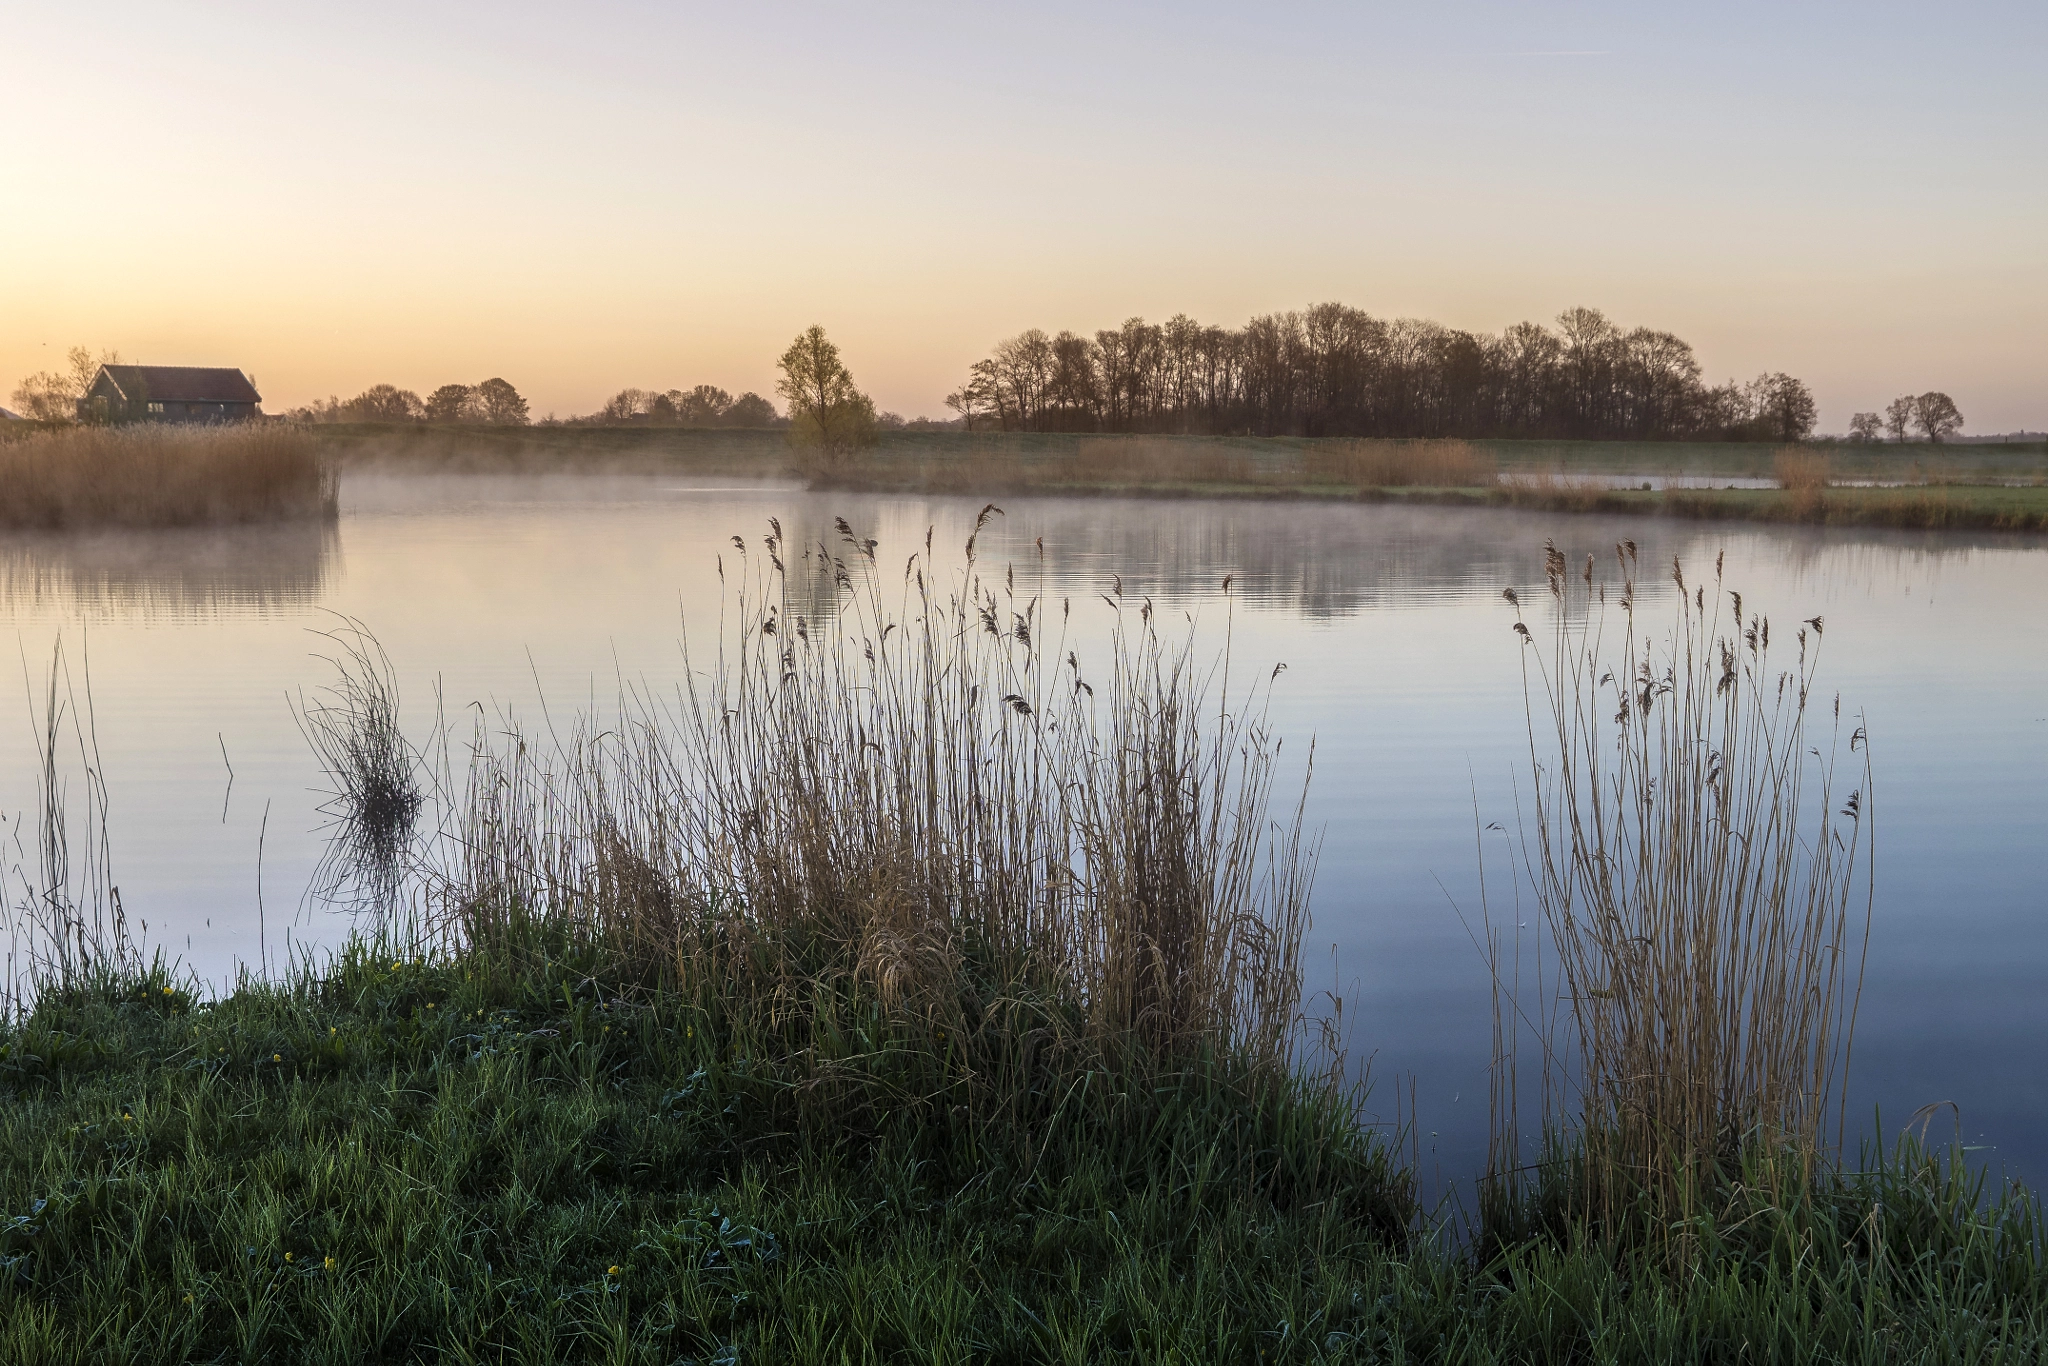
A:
(1704, 884)
(929, 811)
(157, 475)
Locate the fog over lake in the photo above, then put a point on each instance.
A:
(494, 594)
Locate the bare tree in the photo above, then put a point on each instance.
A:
(54, 395)
(1936, 414)
(452, 403)
(1785, 409)
(704, 406)
(624, 406)
(1866, 427)
(751, 410)
(385, 403)
(1898, 416)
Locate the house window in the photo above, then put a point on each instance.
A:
(156, 407)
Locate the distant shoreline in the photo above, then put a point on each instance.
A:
(1996, 487)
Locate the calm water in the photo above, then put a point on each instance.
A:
(1401, 663)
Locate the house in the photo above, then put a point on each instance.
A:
(169, 393)
(8, 415)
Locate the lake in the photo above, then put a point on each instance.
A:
(1402, 667)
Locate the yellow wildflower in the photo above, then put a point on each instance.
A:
(329, 1264)
(277, 1057)
(288, 1256)
(611, 1271)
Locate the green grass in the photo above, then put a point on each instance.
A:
(456, 1161)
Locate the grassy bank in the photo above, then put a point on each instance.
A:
(1999, 488)
(155, 475)
(444, 1160)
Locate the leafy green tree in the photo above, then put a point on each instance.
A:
(827, 414)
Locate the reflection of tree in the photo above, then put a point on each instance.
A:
(175, 571)
(1332, 560)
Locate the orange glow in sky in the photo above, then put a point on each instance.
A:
(584, 198)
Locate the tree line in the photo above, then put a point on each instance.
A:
(706, 405)
(493, 402)
(1933, 414)
(1333, 370)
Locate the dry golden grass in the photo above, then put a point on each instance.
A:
(1704, 887)
(1800, 470)
(1401, 464)
(156, 475)
(1805, 475)
(926, 796)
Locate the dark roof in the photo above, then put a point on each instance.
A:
(181, 384)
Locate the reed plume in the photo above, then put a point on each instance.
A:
(1704, 886)
(915, 803)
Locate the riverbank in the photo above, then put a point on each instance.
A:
(1998, 488)
(408, 1160)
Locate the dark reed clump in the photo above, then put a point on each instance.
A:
(376, 796)
(1704, 883)
(152, 474)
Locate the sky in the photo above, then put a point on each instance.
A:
(581, 198)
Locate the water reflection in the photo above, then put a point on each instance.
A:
(501, 592)
(167, 572)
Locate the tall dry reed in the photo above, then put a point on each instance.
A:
(945, 804)
(1704, 887)
(1804, 474)
(59, 905)
(157, 475)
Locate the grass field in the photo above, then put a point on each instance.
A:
(437, 1161)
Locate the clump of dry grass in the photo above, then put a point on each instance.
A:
(1698, 871)
(157, 475)
(1800, 470)
(1401, 464)
(919, 813)
(1556, 491)
(1805, 475)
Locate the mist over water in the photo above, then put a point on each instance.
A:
(539, 597)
